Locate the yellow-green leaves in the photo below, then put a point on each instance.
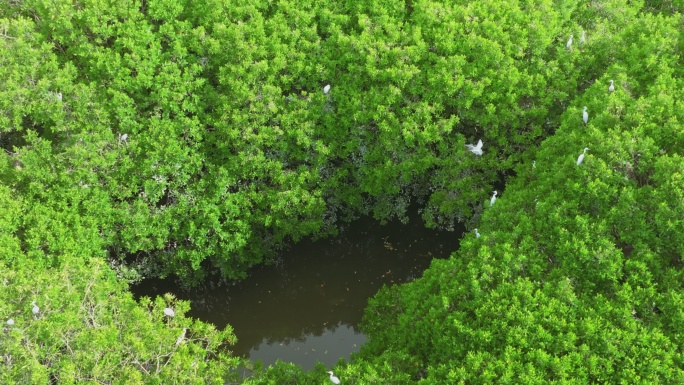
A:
(90, 329)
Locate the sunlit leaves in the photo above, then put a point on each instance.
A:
(576, 274)
(90, 329)
(232, 149)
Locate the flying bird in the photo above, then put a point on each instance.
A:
(477, 150)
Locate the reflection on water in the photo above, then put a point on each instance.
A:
(336, 342)
(307, 308)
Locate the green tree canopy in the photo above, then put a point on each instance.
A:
(577, 276)
(156, 137)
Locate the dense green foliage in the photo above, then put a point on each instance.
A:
(146, 138)
(583, 286)
(231, 152)
(88, 328)
(577, 276)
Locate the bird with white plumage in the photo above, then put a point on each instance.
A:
(326, 89)
(475, 149)
(569, 43)
(580, 159)
(611, 88)
(491, 201)
(585, 115)
(169, 312)
(182, 337)
(334, 379)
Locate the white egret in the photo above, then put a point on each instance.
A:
(569, 43)
(326, 89)
(534, 164)
(582, 38)
(56, 95)
(477, 234)
(10, 322)
(475, 149)
(585, 115)
(491, 202)
(581, 157)
(182, 337)
(612, 87)
(334, 379)
(123, 137)
(169, 312)
(35, 309)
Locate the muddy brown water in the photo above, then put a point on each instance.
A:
(307, 307)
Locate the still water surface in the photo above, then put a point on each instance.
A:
(307, 307)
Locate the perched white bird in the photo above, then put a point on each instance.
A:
(35, 309)
(326, 89)
(334, 379)
(612, 87)
(10, 322)
(477, 234)
(55, 95)
(581, 157)
(582, 38)
(534, 164)
(569, 43)
(477, 150)
(585, 115)
(182, 337)
(491, 202)
(123, 137)
(169, 312)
